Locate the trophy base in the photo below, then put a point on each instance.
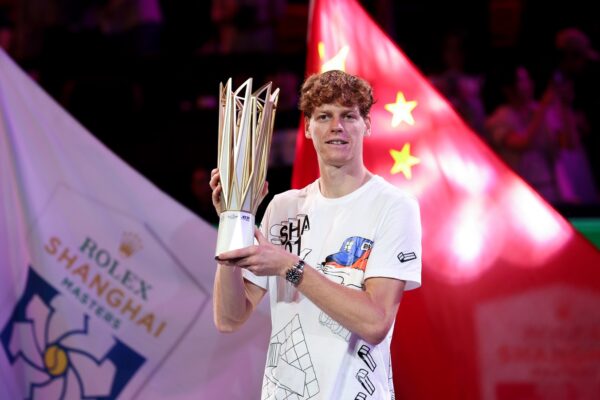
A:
(236, 230)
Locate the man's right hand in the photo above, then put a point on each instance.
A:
(215, 185)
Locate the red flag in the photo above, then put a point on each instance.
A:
(509, 307)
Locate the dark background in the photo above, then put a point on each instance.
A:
(149, 92)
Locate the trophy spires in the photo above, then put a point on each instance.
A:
(246, 122)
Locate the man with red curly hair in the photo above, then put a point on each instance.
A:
(335, 258)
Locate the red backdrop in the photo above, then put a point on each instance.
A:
(510, 303)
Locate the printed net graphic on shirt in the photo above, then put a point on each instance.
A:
(289, 373)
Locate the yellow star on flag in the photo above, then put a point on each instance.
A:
(403, 161)
(401, 110)
(336, 62)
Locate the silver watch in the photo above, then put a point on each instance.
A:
(295, 273)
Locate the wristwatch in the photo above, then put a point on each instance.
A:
(295, 273)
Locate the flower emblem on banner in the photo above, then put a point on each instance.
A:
(60, 353)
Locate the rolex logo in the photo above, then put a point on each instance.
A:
(130, 244)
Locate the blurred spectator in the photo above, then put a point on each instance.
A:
(288, 83)
(132, 27)
(522, 134)
(574, 172)
(575, 52)
(462, 90)
(247, 26)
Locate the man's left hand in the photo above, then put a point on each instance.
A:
(262, 259)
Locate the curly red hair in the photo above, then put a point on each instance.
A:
(335, 87)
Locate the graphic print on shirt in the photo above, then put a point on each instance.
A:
(405, 257)
(348, 265)
(334, 326)
(364, 353)
(289, 373)
(289, 233)
(363, 377)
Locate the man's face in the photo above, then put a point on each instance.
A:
(337, 133)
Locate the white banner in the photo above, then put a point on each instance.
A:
(105, 282)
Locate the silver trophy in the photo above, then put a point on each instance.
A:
(245, 130)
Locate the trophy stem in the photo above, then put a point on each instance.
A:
(236, 230)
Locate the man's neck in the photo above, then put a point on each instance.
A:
(337, 182)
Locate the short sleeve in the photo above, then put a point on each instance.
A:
(261, 281)
(396, 251)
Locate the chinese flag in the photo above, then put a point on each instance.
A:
(510, 302)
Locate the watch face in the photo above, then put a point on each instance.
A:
(293, 275)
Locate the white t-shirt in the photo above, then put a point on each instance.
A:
(374, 231)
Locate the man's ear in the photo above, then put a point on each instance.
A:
(307, 127)
(367, 126)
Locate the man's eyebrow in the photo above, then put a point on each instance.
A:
(341, 109)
